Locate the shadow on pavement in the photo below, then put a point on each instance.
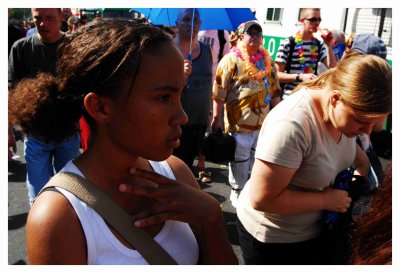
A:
(17, 221)
(219, 197)
(218, 175)
(230, 219)
(17, 171)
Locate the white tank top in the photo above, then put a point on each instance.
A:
(104, 248)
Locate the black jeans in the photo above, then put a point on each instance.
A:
(309, 252)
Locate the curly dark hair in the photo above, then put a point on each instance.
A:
(94, 59)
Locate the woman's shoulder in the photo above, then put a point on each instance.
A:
(50, 216)
(181, 171)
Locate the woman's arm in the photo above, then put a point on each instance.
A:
(363, 165)
(269, 192)
(183, 200)
(53, 232)
(210, 232)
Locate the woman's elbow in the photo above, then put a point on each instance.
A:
(258, 202)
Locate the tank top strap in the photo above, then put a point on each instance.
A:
(163, 168)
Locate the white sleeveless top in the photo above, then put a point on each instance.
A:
(104, 248)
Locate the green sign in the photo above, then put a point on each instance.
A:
(271, 43)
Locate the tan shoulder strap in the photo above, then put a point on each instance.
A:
(114, 215)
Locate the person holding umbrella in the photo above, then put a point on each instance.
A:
(196, 96)
(246, 82)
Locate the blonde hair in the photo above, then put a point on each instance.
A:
(364, 82)
(304, 10)
(349, 44)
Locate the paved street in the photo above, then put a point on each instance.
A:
(18, 206)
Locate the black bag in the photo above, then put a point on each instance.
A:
(218, 147)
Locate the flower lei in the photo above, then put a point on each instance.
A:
(310, 68)
(258, 66)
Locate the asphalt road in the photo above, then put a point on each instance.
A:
(18, 206)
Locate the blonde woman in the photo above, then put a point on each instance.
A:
(305, 141)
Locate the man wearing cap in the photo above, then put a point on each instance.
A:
(29, 57)
(73, 24)
(298, 56)
(369, 44)
(245, 83)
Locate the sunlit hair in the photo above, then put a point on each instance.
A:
(304, 11)
(372, 238)
(364, 82)
(97, 58)
(349, 44)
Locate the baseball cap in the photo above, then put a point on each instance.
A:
(244, 27)
(369, 44)
(72, 20)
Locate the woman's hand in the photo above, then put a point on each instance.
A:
(171, 200)
(336, 200)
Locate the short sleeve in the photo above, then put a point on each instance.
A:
(283, 51)
(282, 142)
(223, 77)
(322, 54)
(274, 88)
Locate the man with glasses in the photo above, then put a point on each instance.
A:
(298, 56)
(245, 83)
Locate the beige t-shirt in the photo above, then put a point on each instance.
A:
(294, 135)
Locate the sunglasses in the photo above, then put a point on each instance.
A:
(314, 19)
(255, 34)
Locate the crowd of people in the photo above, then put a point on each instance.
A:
(125, 105)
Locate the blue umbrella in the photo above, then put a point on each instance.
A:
(211, 18)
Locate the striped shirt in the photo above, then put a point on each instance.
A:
(282, 57)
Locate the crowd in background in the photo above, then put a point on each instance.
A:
(271, 231)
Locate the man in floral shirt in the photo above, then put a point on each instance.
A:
(245, 83)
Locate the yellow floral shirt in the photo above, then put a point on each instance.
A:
(245, 109)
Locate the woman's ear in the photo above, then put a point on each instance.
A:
(98, 107)
(334, 97)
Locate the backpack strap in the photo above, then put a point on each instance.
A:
(290, 56)
(291, 50)
(222, 42)
(113, 214)
(319, 51)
